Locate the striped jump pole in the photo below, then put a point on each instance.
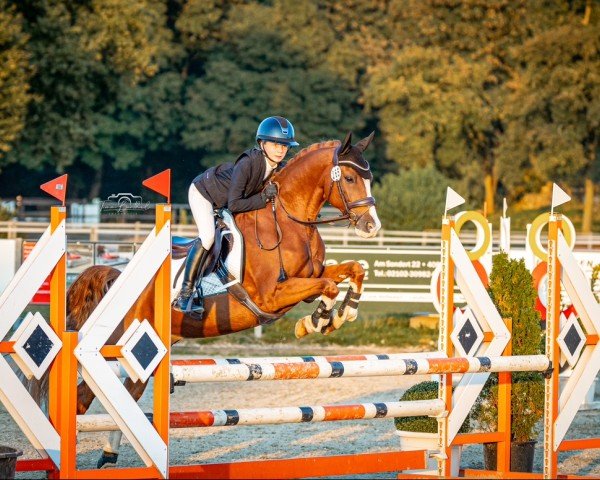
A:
(120, 371)
(183, 371)
(279, 415)
(308, 358)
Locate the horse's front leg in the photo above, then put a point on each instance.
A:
(294, 290)
(348, 310)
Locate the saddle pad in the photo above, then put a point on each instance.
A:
(211, 285)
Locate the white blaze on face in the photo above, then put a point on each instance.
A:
(373, 214)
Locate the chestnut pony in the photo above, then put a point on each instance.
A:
(329, 171)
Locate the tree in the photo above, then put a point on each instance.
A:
(83, 52)
(15, 72)
(556, 102)
(440, 101)
(414, 200)
(277, 69)
(140, 131)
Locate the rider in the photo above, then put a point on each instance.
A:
(239, 186)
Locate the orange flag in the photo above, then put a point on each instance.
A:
(160, 183)
(57, 188)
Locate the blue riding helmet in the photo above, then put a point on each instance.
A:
(278, 130)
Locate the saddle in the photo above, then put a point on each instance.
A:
(223, 269)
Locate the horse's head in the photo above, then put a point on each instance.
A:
(353, 196)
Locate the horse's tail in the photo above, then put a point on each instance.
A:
(86, 292)
(82, 297)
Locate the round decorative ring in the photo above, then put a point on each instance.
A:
(483, 232)
(540, 283)
(535, 231)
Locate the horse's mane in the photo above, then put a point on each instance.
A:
(312, 148)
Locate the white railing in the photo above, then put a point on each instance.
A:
(137, 231)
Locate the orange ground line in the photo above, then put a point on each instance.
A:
(305, 467)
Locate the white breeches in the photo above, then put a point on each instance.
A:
(202, 210)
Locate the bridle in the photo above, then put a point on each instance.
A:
(348, 213)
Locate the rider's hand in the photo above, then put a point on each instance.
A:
(269, 192)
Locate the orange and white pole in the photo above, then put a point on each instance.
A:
(162, 325)
(445, 342)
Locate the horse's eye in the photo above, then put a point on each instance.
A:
(349, 179)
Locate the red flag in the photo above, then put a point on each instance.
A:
(57, 188)
(160, 183)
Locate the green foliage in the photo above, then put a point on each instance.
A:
(411, 200)
(256, 72)
(440, 100)
(553, 112)
(5, 214)
(83, 53)
(375, 329)
(501, 90)
(15, 73)
(513, 294)
(427, 390)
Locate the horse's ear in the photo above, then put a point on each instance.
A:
(364, 143)
(346, 144)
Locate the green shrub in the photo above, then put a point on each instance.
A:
(412, 200)
(513, 293)
(422, 391)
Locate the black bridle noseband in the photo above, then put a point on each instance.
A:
(347, 214)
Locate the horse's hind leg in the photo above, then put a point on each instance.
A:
(110, 452)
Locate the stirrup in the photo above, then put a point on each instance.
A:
(197, 308)
(184, 298)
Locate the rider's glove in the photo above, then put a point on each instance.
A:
(269, 192)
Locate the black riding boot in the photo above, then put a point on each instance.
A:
(193, 265)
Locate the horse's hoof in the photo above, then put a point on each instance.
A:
(107, 457)
(300, 330)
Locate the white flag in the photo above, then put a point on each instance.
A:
(559, 196)
(504, 207)
(453, 199)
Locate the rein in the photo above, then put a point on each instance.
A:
(282, 274)
(348, 214)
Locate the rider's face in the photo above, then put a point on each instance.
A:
(275, 151)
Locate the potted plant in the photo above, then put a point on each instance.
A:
(420, 433)
(511, 289)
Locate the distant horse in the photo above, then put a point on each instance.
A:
(282, 240)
